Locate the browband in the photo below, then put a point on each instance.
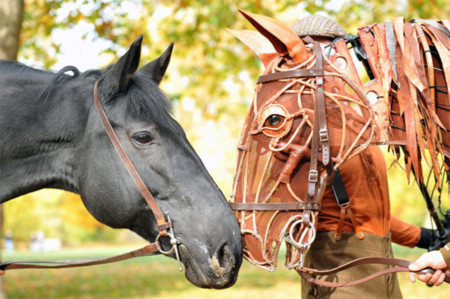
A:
(291, 74)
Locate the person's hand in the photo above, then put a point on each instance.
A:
(434, 260)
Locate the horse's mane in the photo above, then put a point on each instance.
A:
(60, 75)
(8, 66)
(145, 101)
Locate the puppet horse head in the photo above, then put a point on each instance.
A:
(306, 119)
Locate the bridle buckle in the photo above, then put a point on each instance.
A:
(313, 176)
(323, 134)
(174, 242)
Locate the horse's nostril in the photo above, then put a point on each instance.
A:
(223, 261)
(226, 259)
(220, 254)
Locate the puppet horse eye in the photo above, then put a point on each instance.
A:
(274, 121)
(142, 138)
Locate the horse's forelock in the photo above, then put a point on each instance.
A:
(146, 102)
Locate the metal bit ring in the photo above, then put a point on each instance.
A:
(311, 231)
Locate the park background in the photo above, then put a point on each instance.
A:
(210, 82)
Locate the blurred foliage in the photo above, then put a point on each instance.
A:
(57, 214)
(210, 79)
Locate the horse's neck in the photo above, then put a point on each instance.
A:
(37, 138)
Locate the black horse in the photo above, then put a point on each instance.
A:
(51, 136)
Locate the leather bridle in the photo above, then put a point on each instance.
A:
(165, 226)
(319, 143)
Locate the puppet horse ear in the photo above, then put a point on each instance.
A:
(258, 43)
(283, 39)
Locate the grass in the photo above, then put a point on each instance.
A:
(158, 277)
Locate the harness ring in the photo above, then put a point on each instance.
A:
(311, 230)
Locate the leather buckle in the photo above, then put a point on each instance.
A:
(313, 176)
(323, 133)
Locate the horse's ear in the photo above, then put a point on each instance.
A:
(157, 68)
(283, 39)
(119, 75)
(258, 43)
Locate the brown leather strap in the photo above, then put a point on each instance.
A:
(399, 266)
(144, 251)
(163, 225)
(320, 131)
(340, 226)
(291, 74)
(353, 282)
(359, 233)
(323, 129)
(286, 206)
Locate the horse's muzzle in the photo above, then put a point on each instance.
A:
(220, 271)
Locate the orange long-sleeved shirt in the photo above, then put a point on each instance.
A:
(365, 180)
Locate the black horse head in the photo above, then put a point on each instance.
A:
(55, 139)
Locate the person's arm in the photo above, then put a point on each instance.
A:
(437, 260)
(404, 233)
(445, 251)
(410, 235)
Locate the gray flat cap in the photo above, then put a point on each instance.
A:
(318, 25)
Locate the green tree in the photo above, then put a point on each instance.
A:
(211, 76)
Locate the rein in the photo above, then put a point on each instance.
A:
(165, 227)
(399, 266)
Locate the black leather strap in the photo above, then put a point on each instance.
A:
(340, 194)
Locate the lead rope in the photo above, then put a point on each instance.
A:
(165, 227)
(399, 266)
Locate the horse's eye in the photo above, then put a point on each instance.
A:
(142, 138)
(274, 121)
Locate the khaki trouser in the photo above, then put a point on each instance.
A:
(327, 253)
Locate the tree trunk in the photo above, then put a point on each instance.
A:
(11, 15)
